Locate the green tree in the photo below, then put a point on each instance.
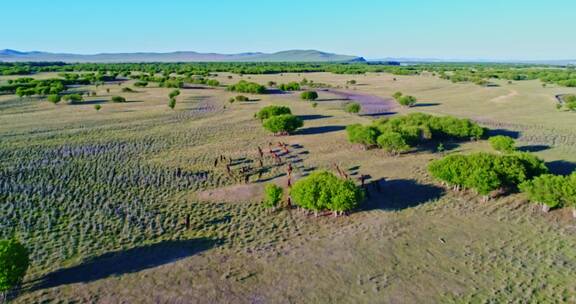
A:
(54, 98)
(407, 101)
(172, 103)
(486, 172)
(322, 190)
(549, 190)
(364, 135)
(502, 143)
(283, 124)
(272, 110)
(173, 94)
(309, 95)
(97, 107)
(393, 142)
(273, 195)
(14, 262)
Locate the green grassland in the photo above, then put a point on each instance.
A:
(126, 205)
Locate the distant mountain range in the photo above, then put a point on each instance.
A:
(480, 60)
(8, 55)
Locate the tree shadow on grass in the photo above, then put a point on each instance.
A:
(313, 117)
(320, 130)
(426, 104)
(123, 262)
(533, 148)
(378, 114)
(561, 167)
(275, 92)
(399, 194)
(505, 132)
(332, 99)
(89, 102)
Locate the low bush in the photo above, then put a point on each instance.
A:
(502, 143)
(484, 172)
(72, 98)
(244, 86)
(291, 86)
(118, 99)
(309, 95)
(352, 107)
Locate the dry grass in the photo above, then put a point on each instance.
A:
(413, 242)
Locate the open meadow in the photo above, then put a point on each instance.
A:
(131, 202)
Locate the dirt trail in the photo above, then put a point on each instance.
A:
(371, 105)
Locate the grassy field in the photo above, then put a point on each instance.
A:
(125, 204)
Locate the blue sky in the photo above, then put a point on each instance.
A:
(448, 29)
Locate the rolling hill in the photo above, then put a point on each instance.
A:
(8, 55)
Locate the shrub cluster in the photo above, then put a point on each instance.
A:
(322, 190)
(553, 191)
(291, 86)
(72, 98)
(401, 133)
(484, 172)
(244, 86)
(405, 100)
(502, 143)
(309, 95)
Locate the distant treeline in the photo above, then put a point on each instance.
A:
(480, 74)
(204, 68)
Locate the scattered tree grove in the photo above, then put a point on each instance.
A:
(485, 172)
(403, 132)
(552, 191)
